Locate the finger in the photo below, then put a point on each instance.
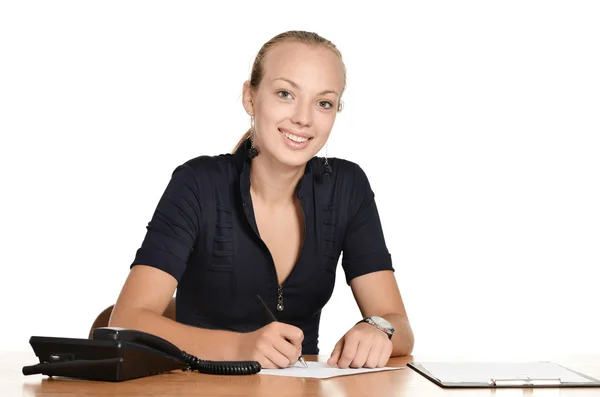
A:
(275, 357)
(348, 351)
(287, 349)
(266, 363)
(337, 351)
(265, 356)
(362, 353)
(374, 355)
(291, 333)
(385, 354)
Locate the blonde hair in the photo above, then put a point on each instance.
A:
(301, 36)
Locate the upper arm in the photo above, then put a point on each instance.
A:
(377, 293)
(175, 225)
(170, 238)
(364, 248)
(366, 259)
(146, 288)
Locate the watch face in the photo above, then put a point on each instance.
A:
(382, 322)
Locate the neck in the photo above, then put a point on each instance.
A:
(273, 184)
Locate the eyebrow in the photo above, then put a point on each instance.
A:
(295, 85)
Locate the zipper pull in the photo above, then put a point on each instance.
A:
(279, 299)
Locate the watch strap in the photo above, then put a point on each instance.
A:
(368, 320)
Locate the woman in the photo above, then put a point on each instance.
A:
(270, 219)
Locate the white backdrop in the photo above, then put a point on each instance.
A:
(478, 124)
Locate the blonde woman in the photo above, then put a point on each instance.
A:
(270, 219)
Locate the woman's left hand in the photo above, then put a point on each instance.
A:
(362, 346)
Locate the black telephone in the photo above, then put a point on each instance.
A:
(118, 354)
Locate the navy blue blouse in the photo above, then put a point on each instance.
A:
(204, 234)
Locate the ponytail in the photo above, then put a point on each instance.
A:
(243, 139)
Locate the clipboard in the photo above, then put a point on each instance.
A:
(543, 374)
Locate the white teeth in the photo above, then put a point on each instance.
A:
(295, 138)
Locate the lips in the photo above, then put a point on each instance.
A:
(294, 136)
(295, 140)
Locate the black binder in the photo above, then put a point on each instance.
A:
(502, 374)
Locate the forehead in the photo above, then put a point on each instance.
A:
(312, 67)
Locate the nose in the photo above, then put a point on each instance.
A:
(302, 115)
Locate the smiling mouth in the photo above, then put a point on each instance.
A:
(295, 138)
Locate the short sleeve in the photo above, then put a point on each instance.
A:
(364, 248)
(174, 227)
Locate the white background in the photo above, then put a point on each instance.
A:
(478, 124)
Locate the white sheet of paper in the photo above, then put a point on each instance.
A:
(320, 370)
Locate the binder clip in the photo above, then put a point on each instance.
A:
(525, 381)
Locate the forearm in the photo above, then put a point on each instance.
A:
(205, 344)
(403, 338)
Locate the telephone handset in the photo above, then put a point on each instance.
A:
(116, 354)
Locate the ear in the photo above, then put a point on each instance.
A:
(248, 98)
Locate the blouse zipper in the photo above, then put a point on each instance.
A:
(280, 295)
(280, 305)
(279, 298)
(279, 287)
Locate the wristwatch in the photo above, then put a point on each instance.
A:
(379, 323)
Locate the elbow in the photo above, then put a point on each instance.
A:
(122, 318)
(131, 317)
(403, 347)
(404, 339)
(116, 320)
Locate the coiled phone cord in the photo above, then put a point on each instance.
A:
(220, 367)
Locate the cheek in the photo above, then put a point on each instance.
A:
(272, 112)
(324, 123)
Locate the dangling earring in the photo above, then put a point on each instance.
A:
(252, 152)
(326, 168)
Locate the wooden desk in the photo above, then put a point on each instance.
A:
(404, 382)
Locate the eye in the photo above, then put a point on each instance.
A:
(326, 104)
(284, 94)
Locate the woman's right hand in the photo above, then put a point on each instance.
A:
(276, 345)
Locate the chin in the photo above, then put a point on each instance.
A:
(292, 154)
(293, 160)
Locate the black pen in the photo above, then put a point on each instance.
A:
(272, 317)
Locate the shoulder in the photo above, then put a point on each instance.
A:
(346, 173)
(347, 187)
(346, 168)
(202, 173)
(206, 166)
